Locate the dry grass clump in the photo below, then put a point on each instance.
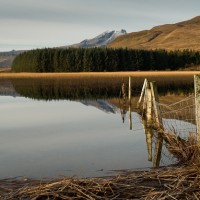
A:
(186, 151)
(172, 182)
(161, 183)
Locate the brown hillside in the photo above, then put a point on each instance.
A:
(182, 35)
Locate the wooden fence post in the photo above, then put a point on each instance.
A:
(129, 90)
(129, 98)
(149, 108)
(142, 93)
(155, 102)
(148, 129)
(159, 124)
(144, 106)
(197, 104)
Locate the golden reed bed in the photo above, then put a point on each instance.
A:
(102, 74)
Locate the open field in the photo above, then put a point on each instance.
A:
(145, 74)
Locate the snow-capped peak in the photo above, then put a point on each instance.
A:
(101, 40)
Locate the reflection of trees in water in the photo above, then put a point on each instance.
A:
(55, 89)
(89, 88)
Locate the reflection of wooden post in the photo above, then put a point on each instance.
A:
(130, 117)
(197, 104)
(159, 124)
(123, 90)
(148, 132)
(129, 90)
(142, 93)
(158, 150)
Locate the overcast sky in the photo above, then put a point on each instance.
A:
(28, 24)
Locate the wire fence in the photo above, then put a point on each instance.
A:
(179, 117)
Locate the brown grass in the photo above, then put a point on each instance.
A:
(143, 74)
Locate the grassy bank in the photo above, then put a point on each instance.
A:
(104, 74)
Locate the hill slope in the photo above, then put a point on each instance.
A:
(182, 35)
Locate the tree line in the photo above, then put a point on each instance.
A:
(103, 59)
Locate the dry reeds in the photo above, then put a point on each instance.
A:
(140, 74)
(162, 183)
(173, 182)
(186, 151)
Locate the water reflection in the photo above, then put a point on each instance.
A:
(101, 105)
(88, 88)
(63, 137)
(47, 139)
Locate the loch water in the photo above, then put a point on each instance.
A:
(51, 129)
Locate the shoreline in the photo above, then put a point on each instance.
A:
(99, 74)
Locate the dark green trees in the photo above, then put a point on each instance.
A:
(102, 59)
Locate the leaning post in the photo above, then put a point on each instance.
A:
(142, 93)
(149, 107)
(197, 104)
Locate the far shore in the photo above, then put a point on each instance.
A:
(101, 74)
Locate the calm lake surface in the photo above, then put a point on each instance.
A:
(46, 132)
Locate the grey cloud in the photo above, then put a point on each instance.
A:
(61, 12)
(32, 20)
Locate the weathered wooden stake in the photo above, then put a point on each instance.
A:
(159, 124)
(149, 108)
(142, 93)
(155, 102)
(197, 104)
(148, 130)
(144, 106)
(129, 90)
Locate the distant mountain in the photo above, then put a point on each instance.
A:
(182, 35)
(6, 58)
(101, 40)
